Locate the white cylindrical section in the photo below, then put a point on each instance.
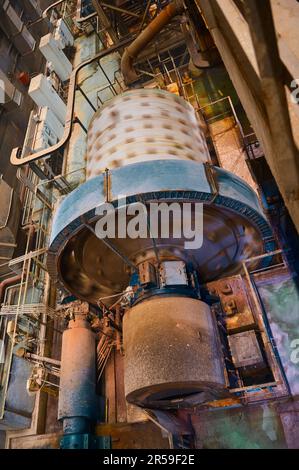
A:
(141, 125)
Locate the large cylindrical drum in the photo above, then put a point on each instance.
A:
(142, 125)
(172, 353)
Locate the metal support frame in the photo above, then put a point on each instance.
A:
(120, 10)
(270, 69)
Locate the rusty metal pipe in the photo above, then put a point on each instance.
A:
(145, 37)
(15, 157)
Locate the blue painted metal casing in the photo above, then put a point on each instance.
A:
(85, 441)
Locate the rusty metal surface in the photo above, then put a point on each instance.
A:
(171, 353)
(42, 441)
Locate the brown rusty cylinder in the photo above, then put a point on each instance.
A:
(77, 397)
(172, 352)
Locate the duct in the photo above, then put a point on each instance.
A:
(15, 157)
(16, 30)
(162, 19)
(57, 60)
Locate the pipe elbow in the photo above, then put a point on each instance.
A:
(140, 42)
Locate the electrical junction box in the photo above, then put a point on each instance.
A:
(147, 274)
(236, 307)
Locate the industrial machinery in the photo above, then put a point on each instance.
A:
(149, 291)
(155, 149)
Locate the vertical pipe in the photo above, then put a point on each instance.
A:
(77, 398)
